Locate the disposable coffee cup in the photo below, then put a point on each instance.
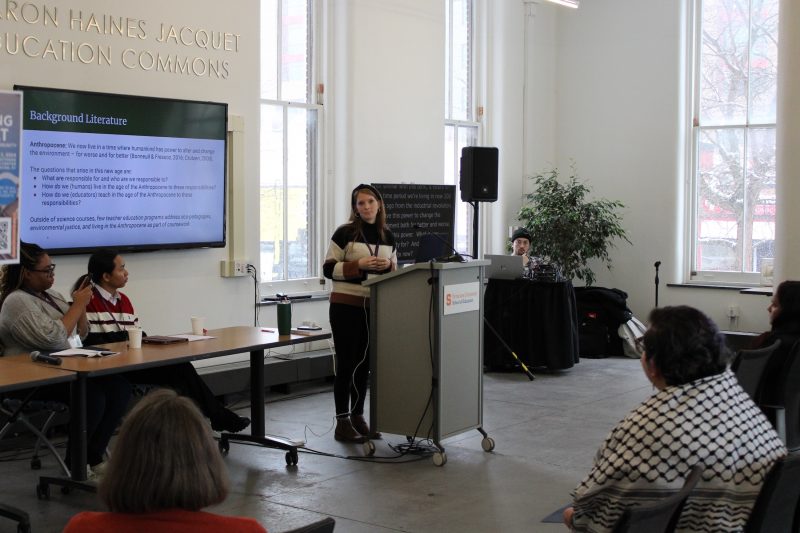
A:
(135, 338)
(198, 323)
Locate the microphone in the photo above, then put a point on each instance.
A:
(657, 264)
(44, 358)
(456, 257)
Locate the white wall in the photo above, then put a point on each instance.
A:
(610, 97)
(166, 287)
(605, 89)
(388, 100)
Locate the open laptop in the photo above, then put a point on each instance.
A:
(504, 267)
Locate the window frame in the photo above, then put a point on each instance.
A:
(472, 121)
(694, 132)
(315, 152)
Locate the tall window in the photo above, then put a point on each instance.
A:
(733, 134)
(289, 140)
(460, 126)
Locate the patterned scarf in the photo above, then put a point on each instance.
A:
(650, 452)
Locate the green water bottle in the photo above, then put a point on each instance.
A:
(284, 317)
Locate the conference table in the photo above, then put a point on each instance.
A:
(224, 341)
(17, 374)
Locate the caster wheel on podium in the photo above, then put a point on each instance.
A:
(369, 448)
(439, 458)
(487, 444)
(291, 458)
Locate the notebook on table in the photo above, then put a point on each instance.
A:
(161, 339)
(504, 267)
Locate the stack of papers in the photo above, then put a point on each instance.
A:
(83, 352)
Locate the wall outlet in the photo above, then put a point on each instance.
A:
(232, 269)
(733, 311)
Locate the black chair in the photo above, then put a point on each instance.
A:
(749, 365)
(325, 525)
(22, 411)
(18, 515)
(662, 516)
(776, 508)
(786, 417)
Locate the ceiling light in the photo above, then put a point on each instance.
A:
(569, 3)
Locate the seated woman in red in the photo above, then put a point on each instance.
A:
(166, 467)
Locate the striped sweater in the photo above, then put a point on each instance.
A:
(107, 317)
(341, 261)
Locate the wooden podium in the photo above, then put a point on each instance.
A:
(426, 352)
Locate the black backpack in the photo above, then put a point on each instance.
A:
(601, 312)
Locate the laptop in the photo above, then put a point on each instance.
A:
(504, 267)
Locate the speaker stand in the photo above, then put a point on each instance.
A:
(474, 229)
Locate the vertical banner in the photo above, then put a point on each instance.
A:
(10, 169)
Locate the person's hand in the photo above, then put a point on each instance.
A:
(568, 512)
(83, 294)
(372, 263)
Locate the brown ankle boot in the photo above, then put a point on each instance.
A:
(345, 432)
(361, 426)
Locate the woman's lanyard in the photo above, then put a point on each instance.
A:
(46, 298)
(372, 252)
(108, 309)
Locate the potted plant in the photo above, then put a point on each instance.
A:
(567, 228)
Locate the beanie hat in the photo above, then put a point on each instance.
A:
(521, 233)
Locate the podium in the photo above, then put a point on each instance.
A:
(426, 352)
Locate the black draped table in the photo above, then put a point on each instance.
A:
(538, 320)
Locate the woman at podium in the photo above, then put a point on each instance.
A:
(359, 249)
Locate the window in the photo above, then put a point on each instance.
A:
(733, 138)
(460, 126)
(289, 140)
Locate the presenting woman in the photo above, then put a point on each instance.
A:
(359, 249)
(35, 317)
(165, 469)
(700, 415)
(110, 314)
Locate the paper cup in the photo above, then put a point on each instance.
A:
(135, 338)
(198, 323)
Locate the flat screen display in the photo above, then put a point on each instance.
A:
(126, 172)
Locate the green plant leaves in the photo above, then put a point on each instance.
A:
(567, 227)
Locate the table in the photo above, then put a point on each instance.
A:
(538, 320)
(16, 375)
(226, 341)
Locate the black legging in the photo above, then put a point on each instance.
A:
(350, 328)
(184, 380)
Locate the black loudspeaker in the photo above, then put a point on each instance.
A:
(478, 174)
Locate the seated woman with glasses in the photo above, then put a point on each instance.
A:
(699, 415)
(35, 317)
(110, 315)
(165, 469)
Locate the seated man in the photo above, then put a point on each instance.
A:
(521, 244)
(111, 314)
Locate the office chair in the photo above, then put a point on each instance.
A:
(20, 410)
(18, 515)
(786, 417)
(749, 366)
(776, 508)
(661, 516)
(325, 525)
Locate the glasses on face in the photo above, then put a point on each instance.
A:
(49, 269)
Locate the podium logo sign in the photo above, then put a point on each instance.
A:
(461, 298)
